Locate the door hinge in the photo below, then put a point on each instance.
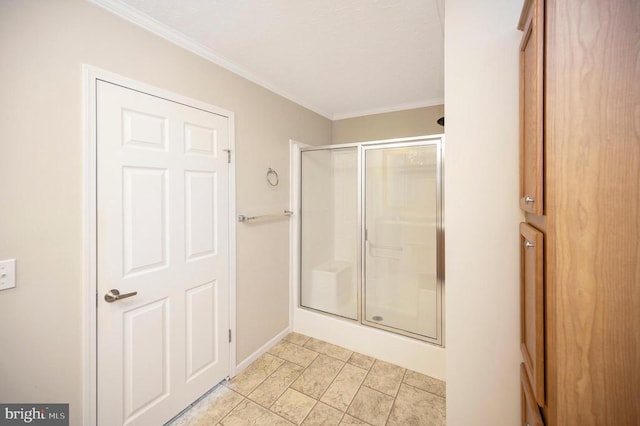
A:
(228, 151)
(229, 336)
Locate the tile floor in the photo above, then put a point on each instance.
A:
(305, 381)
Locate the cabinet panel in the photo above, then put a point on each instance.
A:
(531, 111)
(530, 411)
(532, 306)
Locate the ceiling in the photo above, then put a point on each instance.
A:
(339, 58)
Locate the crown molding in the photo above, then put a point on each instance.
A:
(144, 21)
(393, 108)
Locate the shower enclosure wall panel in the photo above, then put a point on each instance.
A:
(345, 223)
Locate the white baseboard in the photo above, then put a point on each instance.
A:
(262, 350)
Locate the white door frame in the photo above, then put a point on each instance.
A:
(89, 273)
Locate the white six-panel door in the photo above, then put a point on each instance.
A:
(162, 231)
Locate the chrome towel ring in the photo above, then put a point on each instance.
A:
(272, 177)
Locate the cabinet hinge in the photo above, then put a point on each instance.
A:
(228, 151)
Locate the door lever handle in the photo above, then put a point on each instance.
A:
(114, 295)
(528, 244)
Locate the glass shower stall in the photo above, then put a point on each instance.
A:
(371, 234)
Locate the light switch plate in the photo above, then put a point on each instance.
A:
(7, 274)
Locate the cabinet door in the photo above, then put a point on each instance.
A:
(530, 411)
(532, 306)
(531, 111)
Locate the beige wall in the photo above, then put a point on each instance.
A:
(481, 212)
(398, 124)
(43, 45)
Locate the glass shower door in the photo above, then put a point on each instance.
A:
(400, 242)
(329, 231)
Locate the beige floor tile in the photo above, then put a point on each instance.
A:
(293, 406)
(345, 386)
(417, 407)
(426, 383)
(385, 377)
(250, 413)
(313, 385)
(318, 376)
(254, 374)
(296, 338)
(293, 353)
(328, 349)
(348, 420)
(371, 406)
(211, 409)
(275, 385)
(323, 415)
(362, 361)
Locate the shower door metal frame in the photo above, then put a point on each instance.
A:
(431, 140)
(421, 142)
(300, 233)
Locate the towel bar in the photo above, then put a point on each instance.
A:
(243, 218)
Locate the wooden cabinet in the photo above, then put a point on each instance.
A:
(580, 169)
(532, 306)
(530, 411)
(531, 109)
(532, 261)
